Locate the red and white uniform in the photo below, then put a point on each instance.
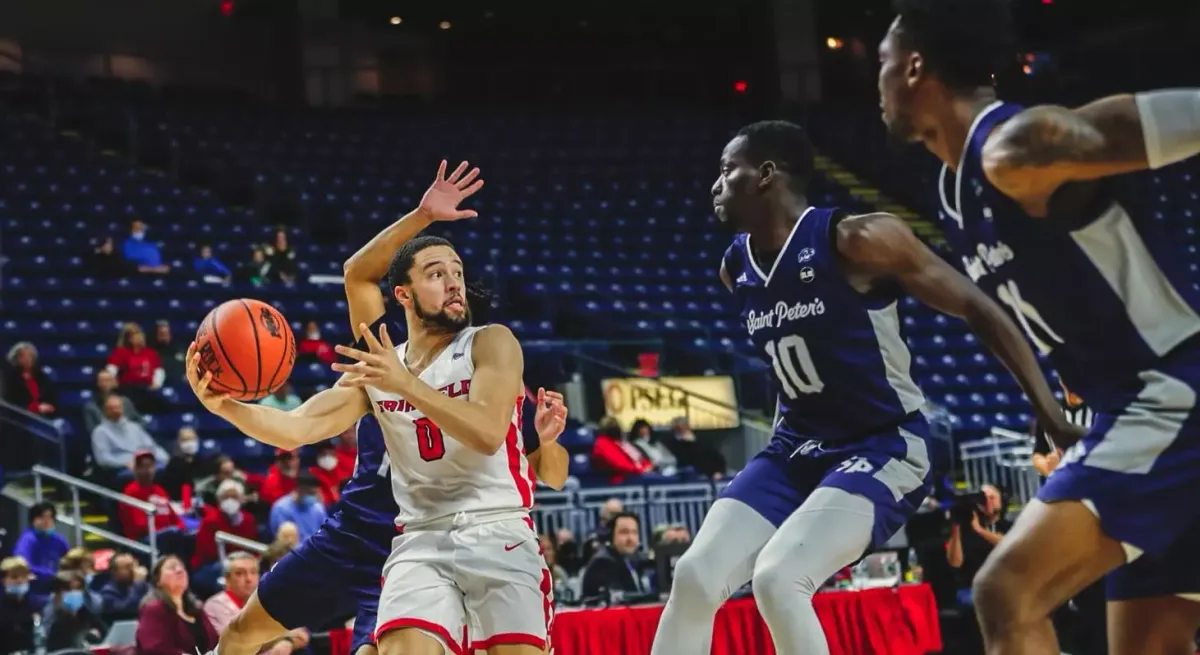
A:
(467, 553)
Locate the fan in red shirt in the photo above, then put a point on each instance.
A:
(138, 370)
(328, 472)
(347, 452)
(134, 522)
(614, 454)
(281, 477)
(229, 517)
(312, 344)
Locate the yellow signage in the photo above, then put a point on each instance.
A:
(708, 402)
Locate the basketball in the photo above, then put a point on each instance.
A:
(249, 348)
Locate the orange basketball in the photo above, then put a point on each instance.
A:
(249, 348)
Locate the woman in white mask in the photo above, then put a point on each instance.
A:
(328, 472)
(227, 516)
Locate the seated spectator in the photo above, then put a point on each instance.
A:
(81, 561)
(104, 262)
(347, 451)
(93, 410)
(616, 568)
(302, 507)
(284, 399)
(208, 266)
(327, 473)
(68, 621)
(643, 436)
(614, 454)
(186, 467)
(16, 608)
(311, 345)
(702, 457)
(596, 540)
(26, 385)
(121, 596)
(287, 535)
(569, 553)
(229, 516)
(171, 620)
(282, 258)
(170, 353)
(117, 439)
(257, 271)
(281, 477)
(143, 254)
(223, 469)
(276, 551)
(558, 576)
(41, 547)
(241, 580)
(138, 370)
(135, 524)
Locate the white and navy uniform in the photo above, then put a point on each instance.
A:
(1098, 294)
(849, 411)
(467, 553)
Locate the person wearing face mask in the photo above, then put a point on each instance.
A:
(229, 516)
(41, 547)
(81, 561)
(68, 621)
(302, 507)
(281, 477)
(186, 466)
(142, 253)
(328, 473)
(16, 611)
(284, 399)
(311, 345)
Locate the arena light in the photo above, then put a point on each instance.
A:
(834, 43)
(396, 20)
(444, 24)
(1028, 70)
(227, 8)
(740, 86)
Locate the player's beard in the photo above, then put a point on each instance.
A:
(440, 320)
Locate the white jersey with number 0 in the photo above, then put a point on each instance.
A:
(434, 475)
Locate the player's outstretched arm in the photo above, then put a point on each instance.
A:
(883, 246)
(482, 421)
(365, 268)
(1042, 148)
(326, 414)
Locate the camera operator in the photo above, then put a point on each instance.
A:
(974, 532)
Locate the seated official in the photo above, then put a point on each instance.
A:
(616, 568)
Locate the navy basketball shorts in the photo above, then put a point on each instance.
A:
(890, 468)
(331, 575)
(1138, 470)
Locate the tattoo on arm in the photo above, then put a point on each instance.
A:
(1105, 131)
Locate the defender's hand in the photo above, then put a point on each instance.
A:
(441, 200)
(380, 367)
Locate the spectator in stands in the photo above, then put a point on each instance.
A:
(186, 466)
(170, 353)
(26, 385)
(284, 399)
(93, 411)
(257, 271)
(117, 439)
(569, 555)
(229, 516)
(313, 346)
(135, 524)
(206, 265)
(241, 580)
(223, 469)
(596, 540)
(16, 609)
(171, 620)
(282, 258)
(273, 554)
(614, 454)
(143, 254)
(558, 576)
(139, 370)
(281, 477)
(697, 455)
(616, 568)
(302, 507)
(121, 596)
(41, 547)
(970, 544)
(347, 451)
(104, 262)
(674, 533)
(287, 535)
(643, 436)
(327, 473)
(68, 621)
(81, 561)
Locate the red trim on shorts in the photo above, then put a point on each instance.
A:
(513, 638)
(512, 447)
(423, 625)
(547, 602)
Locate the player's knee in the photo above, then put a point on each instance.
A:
(695, 583)
(776, 582)
(999, 595)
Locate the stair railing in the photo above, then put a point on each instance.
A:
(75, 485)
(224, 539)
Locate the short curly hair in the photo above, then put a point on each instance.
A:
(964, 43)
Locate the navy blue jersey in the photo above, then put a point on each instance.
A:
(839, 358)
(367, 503)
(1095, 291)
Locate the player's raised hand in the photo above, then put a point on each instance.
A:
(211, 400)
(379, 367)
(551, 416)
(441, 200)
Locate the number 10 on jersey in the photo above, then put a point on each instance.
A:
(793, 366)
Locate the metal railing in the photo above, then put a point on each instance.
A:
(38, 426)
(1003, 459)
(75, 484)
(224, 538)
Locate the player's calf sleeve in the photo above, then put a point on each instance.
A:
(830, 530)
